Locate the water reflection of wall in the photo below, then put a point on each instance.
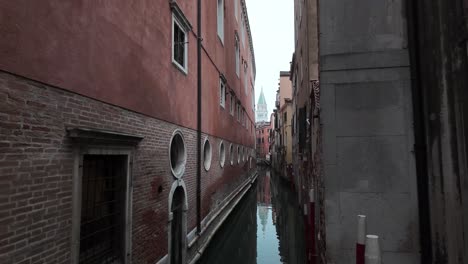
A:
(288, 220)
(236, 241)
(264, 193)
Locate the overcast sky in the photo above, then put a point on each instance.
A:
(272, 27)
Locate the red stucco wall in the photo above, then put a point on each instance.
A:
(119, 52)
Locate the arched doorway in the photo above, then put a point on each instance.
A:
(177, 236)
(177, 228)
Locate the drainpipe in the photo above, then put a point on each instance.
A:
(420, 148)
(199, 109)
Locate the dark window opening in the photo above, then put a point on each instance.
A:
(102, 226)
(176, 226)
(179, 45)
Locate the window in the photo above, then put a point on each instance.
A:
(238, 112)
(237, 56)
(178, 154)
(231, 105)
(243, 117)
(242, 29)
(236, 9)
(245, 77)
(231, 153)
(207, 155)
(253, 98)
(221, 20)
(285, 118)
(179, 44)
(222, 154)
(222, 92)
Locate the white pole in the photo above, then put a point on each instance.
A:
(361, 239)
(373, 255)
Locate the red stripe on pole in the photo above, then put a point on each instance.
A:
(360, 252)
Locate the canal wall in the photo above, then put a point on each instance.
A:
(198, 242)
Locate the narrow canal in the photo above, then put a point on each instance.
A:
(265, 228)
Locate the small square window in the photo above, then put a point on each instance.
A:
(179, 45)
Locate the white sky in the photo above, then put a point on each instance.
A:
(272, 28)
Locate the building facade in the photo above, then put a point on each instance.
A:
(284, 117)
(383, 133)
(99, 141)
(263, 130)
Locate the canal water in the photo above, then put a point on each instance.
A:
(265, 228)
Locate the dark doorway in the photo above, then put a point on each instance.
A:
(102, 226)
(177, 235)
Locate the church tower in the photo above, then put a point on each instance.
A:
(262, 110)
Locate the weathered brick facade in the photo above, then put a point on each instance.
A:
(36, 171)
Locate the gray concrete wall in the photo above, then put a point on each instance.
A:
(367, 128)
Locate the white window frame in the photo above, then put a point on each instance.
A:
(220, 19)
(183, 68)
(77, 196)
(222, 91)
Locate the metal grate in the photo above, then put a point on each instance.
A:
(102, 236)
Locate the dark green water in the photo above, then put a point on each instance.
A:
(265, 228)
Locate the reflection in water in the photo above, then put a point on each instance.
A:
(265, 230)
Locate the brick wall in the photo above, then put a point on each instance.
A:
(36, 169)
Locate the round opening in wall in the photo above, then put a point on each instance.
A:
(238, 155)
(178, 155)
(222, 154)
(243, 154)
(231, 153)
(207, 155)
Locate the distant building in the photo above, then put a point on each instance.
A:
(284, 116)
(263, 130)
(262, 108)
